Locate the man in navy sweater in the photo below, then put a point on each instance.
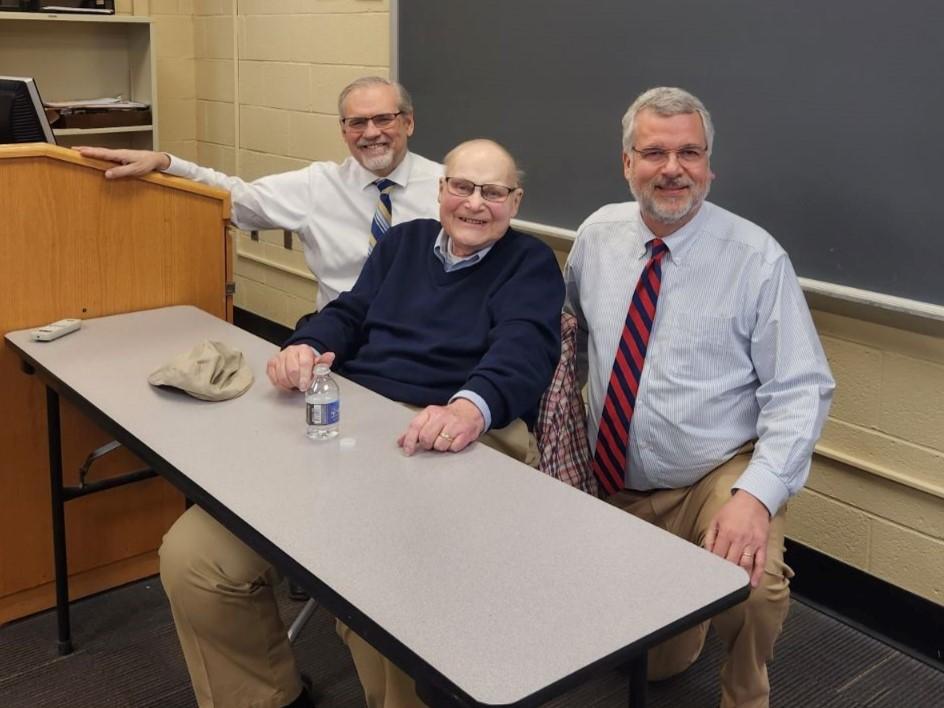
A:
(460, 318)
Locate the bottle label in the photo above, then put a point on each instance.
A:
(324, 413)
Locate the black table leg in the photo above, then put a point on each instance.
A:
(58, 521)
(637, 681)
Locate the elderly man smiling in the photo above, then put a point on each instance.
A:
(459, 317)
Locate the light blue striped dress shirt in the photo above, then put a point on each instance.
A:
(733, 355)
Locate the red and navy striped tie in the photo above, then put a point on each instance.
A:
(609, 459)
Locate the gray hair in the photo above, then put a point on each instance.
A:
(666, 101)
(404, 100)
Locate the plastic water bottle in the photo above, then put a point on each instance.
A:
(322, 405)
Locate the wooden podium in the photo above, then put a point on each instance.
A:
(75, 245)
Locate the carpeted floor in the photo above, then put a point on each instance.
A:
(127, 656)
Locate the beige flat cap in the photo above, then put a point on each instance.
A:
(210, 371)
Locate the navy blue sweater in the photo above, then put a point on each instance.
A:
(414, 333)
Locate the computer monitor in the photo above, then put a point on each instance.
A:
(22, 118)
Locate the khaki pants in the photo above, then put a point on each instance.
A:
(233, 639)
(749, 629)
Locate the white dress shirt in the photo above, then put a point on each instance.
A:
(330, 207)
(733, 355)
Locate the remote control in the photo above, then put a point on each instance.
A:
(55, 330)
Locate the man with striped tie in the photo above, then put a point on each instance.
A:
(708, 385)
(337, 210)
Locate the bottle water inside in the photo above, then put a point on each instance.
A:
(322, 405)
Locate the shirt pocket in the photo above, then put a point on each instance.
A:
(702, 347)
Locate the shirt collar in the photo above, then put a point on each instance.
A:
(679, 241)
(443, 250)
(400, 175)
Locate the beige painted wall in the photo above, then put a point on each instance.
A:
(875, 499)
(267, 80)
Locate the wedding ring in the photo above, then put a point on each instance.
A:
(445, 436)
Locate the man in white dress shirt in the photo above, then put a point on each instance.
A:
(330, 206)
(708, 385)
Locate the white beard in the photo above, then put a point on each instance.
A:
(669, 214)
(381, 162)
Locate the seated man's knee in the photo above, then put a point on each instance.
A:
(675, 655)
(177, 553)
(199, 552)
(769, 601)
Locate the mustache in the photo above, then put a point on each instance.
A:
(378, 141)
(675, 183)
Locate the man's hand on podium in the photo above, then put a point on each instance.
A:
(133, 163)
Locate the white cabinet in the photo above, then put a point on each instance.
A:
(75, 57)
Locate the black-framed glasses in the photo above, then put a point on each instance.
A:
(687, 154)
(490, 192)
(381, 120)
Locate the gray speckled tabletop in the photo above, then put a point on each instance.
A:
(500, 578)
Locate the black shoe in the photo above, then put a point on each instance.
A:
(297, 592)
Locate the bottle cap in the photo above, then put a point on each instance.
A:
(322, 370)
(347, 443)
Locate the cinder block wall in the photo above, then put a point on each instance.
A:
(875, 499)
(173, 47)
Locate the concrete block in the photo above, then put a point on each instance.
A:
(362, 39)
(857, 370)
(299, 7)
(176, 78)
(313, 136)
(886, 337)
(245, 244)
(215, 122)
(266, 37)
(908, 559)
(263, 129)
(291, 284)
(219, 157)
(178, 119)
(287, 86)
(215, 80)
(258, 164)
(212, 7)
(173, 36)
(880, 497)
(327, 80)
(829, 526)
(250, 269)
(260, 299)
(213, 36)
(912, 397)
(187, 149)
(252, 88)
(285, 257)
(165, 7)
(272, 236)
(296, 308)
(878, 450)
